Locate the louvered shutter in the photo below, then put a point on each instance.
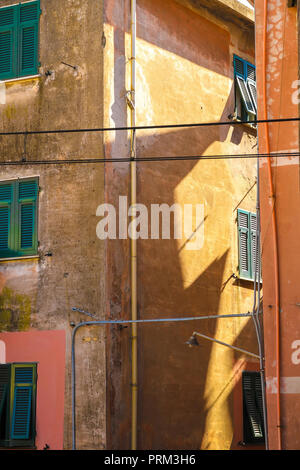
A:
(4, 383)
(251, 84)
(250, 72)
(24, 381)
(8, 42)
(253, 414)
(27, 198)
(245, 95)
(254, 258)
(4, 399)
(28, 38)
(6, 235)
(239, 67)
(244, 244)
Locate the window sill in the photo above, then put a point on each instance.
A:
(240, 278)
(20, 258)
(249, 126)
(21, 79)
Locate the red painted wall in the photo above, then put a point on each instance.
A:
(282, 102)
(48, 349)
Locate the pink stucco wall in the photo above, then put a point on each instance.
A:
(48, 349)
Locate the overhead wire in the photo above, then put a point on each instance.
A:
(151, 159)
(149, 127)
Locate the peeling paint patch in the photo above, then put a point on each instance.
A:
(288, 385)
(15, 311)
(2, 93)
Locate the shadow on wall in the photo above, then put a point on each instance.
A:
(172, 378)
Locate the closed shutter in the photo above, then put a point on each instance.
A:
(22, 411)
(27, 240)
(28, 38)
(254, 258)
(8, 43)
(24, 379)
(6, 198)
(252, 400)
(239, 67)
(244, 244)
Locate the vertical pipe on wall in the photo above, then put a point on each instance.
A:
(133, 242)
(274, 228)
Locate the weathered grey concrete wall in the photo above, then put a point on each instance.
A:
(39, 293)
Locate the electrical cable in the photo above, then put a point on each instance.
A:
(162, 126)
(152, 159)
(114, 322)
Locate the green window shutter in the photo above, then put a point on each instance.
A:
(251, 84)
(4, 399)
(244, 244)
(251, 72)
(239, 67)
(21, 412)
(253, 414)
(8, 42)
(27, 203)
(28, 38)
(23, 404)
(6, 220)
(245, 89)
(244, 93)
(254, 259)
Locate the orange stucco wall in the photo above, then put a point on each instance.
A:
(184, 74)
(281, 86)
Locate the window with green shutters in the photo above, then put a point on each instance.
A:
(18, 217)
(253, 420)
(19, 37)
(247, 225)
(18, 387)
(245, 89)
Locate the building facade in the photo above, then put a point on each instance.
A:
(67, 66)
(278, 98)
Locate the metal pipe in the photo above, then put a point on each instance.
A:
(111, 322)
(133, 242)
(226, 344)
(256, 313)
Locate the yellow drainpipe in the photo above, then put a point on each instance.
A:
(133, 242)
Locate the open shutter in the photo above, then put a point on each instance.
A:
(251, 84)
(250, 72)
(4, 397)
(27, 196)
(24, 387)
(252, 398)
(6, 199)
(4, 383)
(244, 244)
(28, 38)
(8, 42)
(245, 95)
